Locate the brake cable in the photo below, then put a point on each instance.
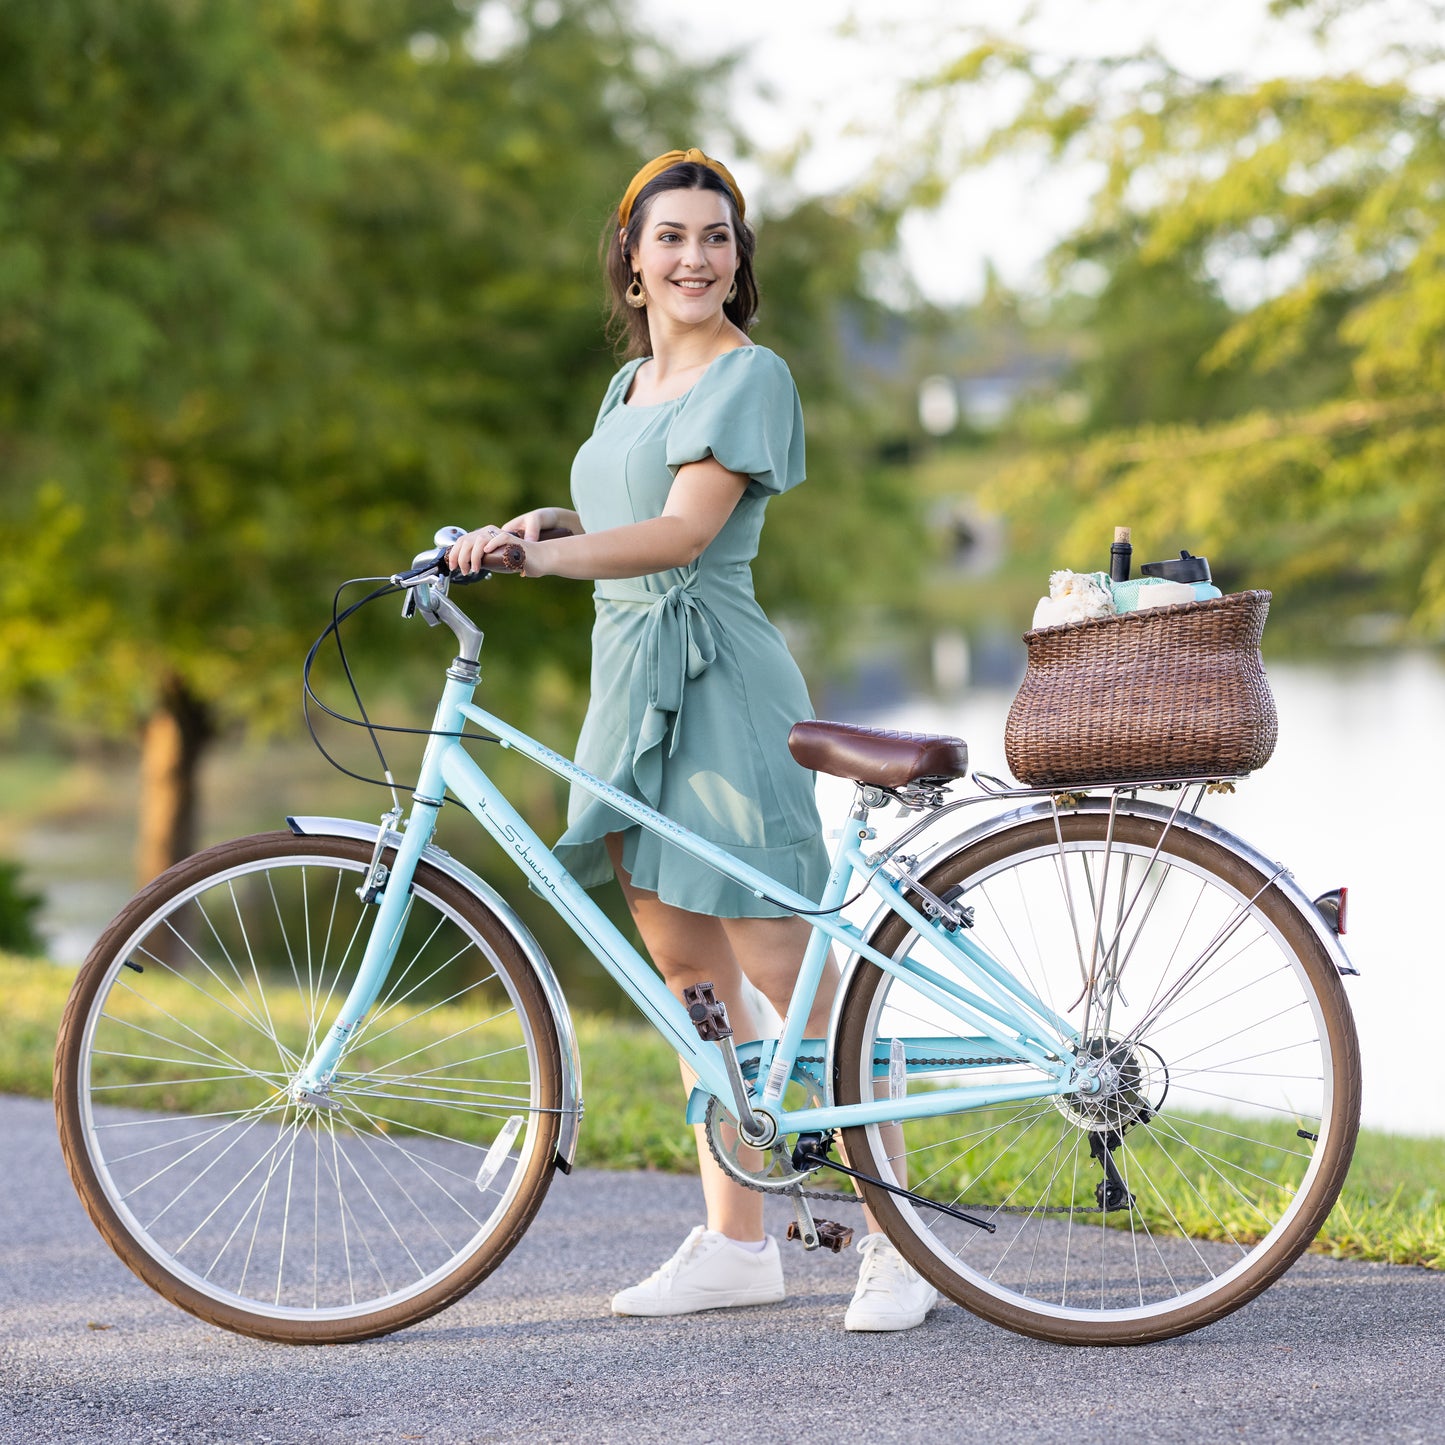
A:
(309, 695)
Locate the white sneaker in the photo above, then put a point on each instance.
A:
(891, 1294)
(709, 1272)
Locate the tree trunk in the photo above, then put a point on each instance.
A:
(175, 736)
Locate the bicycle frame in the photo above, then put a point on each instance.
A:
(1005, 1014)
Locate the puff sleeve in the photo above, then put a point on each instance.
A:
(744, 412)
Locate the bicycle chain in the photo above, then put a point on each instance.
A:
(849, 1198)
(834, 1196)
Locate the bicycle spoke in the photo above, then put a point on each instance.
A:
(211, 1046)
(424, 1167)
(171, 1143)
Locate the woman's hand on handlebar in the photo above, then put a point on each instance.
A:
(484, 550)
(506, 548)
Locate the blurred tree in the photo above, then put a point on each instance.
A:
(282, 287)
(1268, 372)
(19, 913)
(849, 539)
(159, 260)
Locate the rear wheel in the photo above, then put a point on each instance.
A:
(1227, 1097)
(295, 1221)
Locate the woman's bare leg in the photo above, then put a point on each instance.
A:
(764, 947)
(692, 948)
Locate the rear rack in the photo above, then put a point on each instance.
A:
(997, 788)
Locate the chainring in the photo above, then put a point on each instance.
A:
(776, 1174)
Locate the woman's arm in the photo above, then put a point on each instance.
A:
(702, 498)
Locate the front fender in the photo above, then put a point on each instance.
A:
(443, 862)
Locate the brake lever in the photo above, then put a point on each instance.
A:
(424, 566)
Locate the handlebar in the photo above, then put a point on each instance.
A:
(428, 565)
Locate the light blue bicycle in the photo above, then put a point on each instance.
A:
(1091, 1063)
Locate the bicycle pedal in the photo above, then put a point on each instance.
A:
(836, 1237)
(708, 1013)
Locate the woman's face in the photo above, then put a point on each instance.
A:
(686, 254)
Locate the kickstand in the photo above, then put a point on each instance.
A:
(811, 1152)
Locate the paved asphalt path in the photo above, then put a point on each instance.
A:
(1335, 1352)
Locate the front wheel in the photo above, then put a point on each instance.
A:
(295, 1221)
(1225, 1073)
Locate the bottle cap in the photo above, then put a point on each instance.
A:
(1182, 568)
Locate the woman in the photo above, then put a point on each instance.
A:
(693, 690)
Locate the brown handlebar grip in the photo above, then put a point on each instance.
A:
(513, 559)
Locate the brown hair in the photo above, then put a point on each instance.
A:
(626, 325)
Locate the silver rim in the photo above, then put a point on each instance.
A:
(287, 1211)
(1221, 1066)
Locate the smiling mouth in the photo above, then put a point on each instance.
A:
(697, 286)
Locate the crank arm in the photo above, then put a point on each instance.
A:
(804, 1227)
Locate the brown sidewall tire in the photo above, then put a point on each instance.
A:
(99, 966)
(853, 1045)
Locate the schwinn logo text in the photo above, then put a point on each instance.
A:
(523, 851)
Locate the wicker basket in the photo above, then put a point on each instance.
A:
(1170, 692)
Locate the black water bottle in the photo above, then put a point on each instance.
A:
(1120, 555)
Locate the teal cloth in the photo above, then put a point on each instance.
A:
(1127, 594)
(693, 689)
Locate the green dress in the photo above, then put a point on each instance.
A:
(693, 689)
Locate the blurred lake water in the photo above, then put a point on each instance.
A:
(1349, 798)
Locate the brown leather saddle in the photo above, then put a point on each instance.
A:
(880, 756)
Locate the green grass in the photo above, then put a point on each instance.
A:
(1391, 1208)
(641, 1129)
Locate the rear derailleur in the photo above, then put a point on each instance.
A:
(1111, 1193)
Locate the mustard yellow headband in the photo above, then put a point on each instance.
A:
(665, 162)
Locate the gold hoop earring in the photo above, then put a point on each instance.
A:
(636, 298)
(732, 295)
